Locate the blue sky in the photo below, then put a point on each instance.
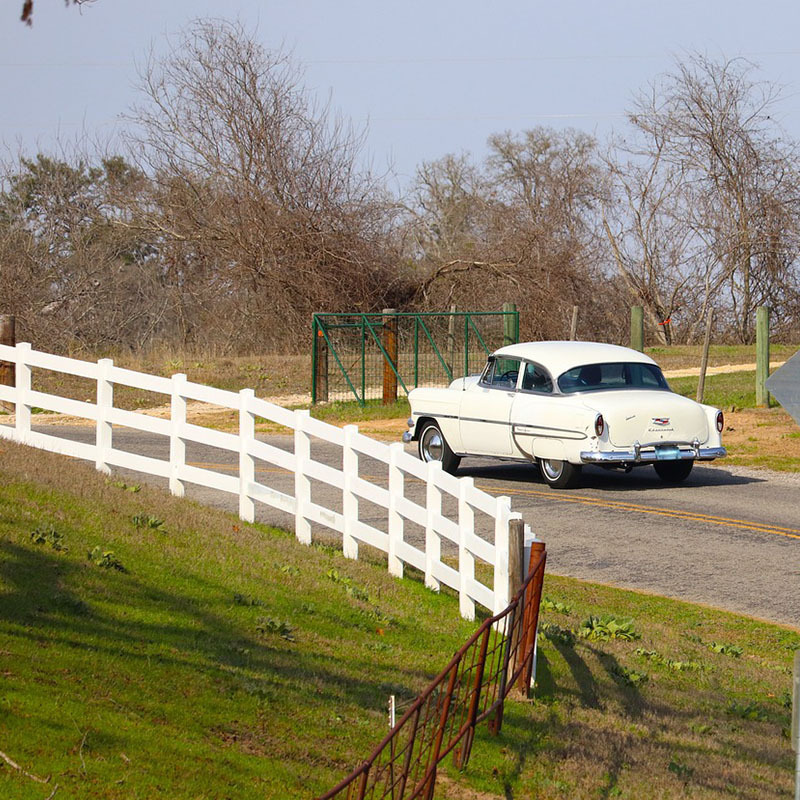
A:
(428, 78)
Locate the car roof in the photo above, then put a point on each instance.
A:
(558, 357)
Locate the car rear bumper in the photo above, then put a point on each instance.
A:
(650, 454)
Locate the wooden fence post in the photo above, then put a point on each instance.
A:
(390, 364)
(573, 327)
(319, 388)
(8, 336)
(762, 356)
(701, 383)
(637, 328)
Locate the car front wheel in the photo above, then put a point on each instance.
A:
(673, 471)
(560, 474)
(433, 447)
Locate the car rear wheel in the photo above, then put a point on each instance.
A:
(673, 471)
(433, 447)
(560, 474)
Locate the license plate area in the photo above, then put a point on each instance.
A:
(667, 452)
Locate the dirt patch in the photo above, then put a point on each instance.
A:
(767, 438)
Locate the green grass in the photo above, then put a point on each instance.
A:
(194, 656)
(731, 389)
(350, 411)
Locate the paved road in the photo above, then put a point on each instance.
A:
(728, 537)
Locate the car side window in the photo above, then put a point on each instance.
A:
(536, 379)
(501, 373)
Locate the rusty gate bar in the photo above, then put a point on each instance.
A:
(446, 713)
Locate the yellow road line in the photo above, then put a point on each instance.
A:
(613, 505)
(691, 516)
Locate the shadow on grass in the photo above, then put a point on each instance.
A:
(51, 600)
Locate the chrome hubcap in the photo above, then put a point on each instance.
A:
(552, 469)
(432, 445)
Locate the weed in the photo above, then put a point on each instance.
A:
(289, 569)
(133, 488)
(557, 634)
(47, 534)
(725, 649)
(148, 522)
(749, 710)
(246, 600)
(555, 605)
(105, 559)
(786, 699)
(669, 663)
(607, 627)
(351, 588)
(268, 625)
(629, 677)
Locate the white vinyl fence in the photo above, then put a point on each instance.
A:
(440, 526)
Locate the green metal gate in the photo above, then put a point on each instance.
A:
(372, 356)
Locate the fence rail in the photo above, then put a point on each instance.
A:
(472, 688)
(446, 515)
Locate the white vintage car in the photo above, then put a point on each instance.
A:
(563, 405)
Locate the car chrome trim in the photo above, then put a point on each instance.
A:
(646, 454)
(533, 430)
(408, 437)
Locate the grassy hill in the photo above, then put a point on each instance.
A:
(151, 647)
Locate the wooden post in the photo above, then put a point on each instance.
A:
(320, 355)
(573, 328)
(8, 336)
(701, 383)
(637, 328)
(509, 324)
(762, 356)
(390, 346)
(451, 340)
(516, 577)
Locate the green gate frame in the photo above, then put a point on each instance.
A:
(371, 325)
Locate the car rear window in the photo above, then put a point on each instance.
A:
(618, 375)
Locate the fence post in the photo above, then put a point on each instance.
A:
(573, 327)
(502, 517)
(349, 497)
(762, 356)
(177, 445)
(637, 328)
(302, 483)
(510, 331)
(516, 577)
(701, 383)
(319, 370)
(247, 464)
(23, 404)
(466, 561)
(396, 492)
(433, 544)
(105, 402)
(390, 346)
(8, 336)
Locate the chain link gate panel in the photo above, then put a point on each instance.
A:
(380, 356)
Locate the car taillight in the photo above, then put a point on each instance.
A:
(720, 421)
(599, 425)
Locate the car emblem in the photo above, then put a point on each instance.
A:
(660, 420)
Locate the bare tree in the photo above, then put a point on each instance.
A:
(260, 202)
(711, 148)
(519, 227)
